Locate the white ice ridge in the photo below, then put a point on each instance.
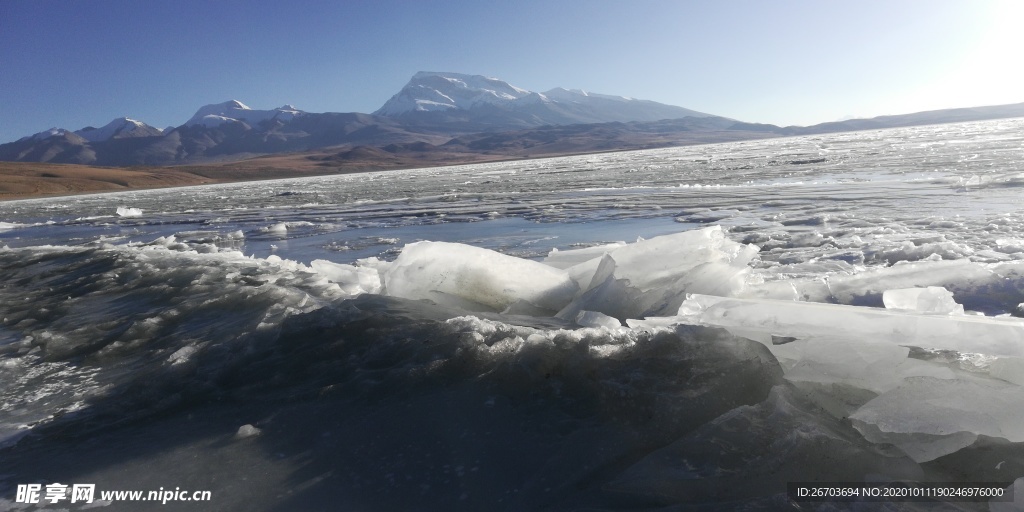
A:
(957, 276)
(767, 317)
(619, 281)
(476, 279)
(651, 277)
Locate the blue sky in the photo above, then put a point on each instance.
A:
(73, 63)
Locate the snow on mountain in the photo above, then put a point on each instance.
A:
(431, 91)
(235, 111)
(578, 95)
(118, 128)
(46, 134)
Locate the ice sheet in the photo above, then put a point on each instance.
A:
(976, 286)
(876, 366)
(991, 336)
(187, 293)
(934, 417)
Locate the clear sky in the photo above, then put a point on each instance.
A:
(73, 63)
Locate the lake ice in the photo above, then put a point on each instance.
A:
(690, 326)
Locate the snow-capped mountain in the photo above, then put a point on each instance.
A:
(429, 91)
(121, 127)
(235, 111)
(495, 104)
(432, 108)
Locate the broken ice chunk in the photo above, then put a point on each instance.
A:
(583, 273)
(595, 319)
(619, 299)
(920, 447)
(992, 289)
(651, 278)
(933, 300)
(933, 417)
(581, 263)
(866, 364)
(352, 280)
(612, 297)
(962, 277)
(475, 278)
(661, 260)
(568, 258)
(124, 211)
(522, 307)
(1010, 369)
(990, 336)
(280, 229)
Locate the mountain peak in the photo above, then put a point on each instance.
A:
(235, 111)
(232, 104)
(121, 127)
(436, 93)
(440, 91)
(45, 134)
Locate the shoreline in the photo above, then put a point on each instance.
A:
(30, 180)
(27, 180)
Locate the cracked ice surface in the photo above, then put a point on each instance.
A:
(508, 314)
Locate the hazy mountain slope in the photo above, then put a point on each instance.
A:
(61, 147)
(953, 115)
(476, 103)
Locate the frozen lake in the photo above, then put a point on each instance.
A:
(958, 181)
(717, 321)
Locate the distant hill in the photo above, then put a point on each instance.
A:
(952, 115)
(438, 113)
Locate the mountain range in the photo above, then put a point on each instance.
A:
(440, 113)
